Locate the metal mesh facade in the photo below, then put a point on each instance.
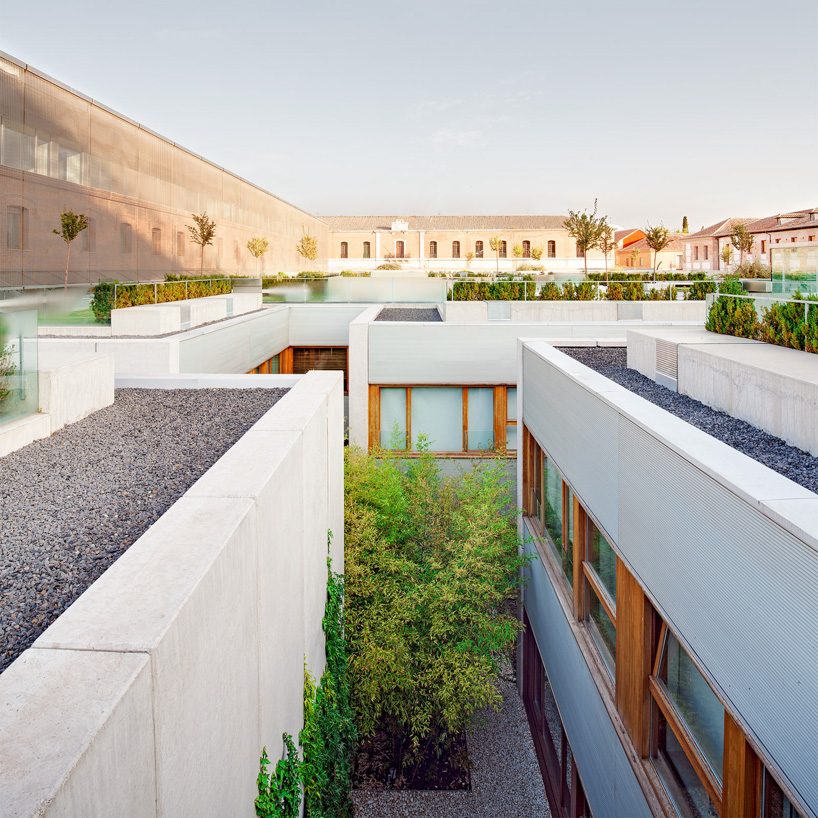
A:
(60, 150)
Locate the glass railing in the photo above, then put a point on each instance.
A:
(18, 365)
(349, 290)
(70, 306)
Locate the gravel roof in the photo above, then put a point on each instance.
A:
(505, 776)
(408, 314)
(72, 503)
(795, 464)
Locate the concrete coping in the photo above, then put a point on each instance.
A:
(793, 507)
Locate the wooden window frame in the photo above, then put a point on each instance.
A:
(526, 249)
(478, 249)
(551, 248)
(367, 250)
(500, 405)
(432, 249)
(455, 249)
(344, 249)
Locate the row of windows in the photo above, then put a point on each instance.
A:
(688, 722)
(400, 249)
(451, 419)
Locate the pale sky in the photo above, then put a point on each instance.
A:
(659, 109)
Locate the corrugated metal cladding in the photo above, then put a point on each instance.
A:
(579, 432)
(609, 781)
(238, 347)
(740, 590)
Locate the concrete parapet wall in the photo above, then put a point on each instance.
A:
(154, 693)
(72, 387)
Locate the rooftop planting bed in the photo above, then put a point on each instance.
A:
(795, 464)
(71, 504)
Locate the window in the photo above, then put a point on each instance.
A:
(180, 244)
(526, 249)
(451, 418)
(809, 238)
(706, 252)
(599, 574)
(367, 250)
(344, 249)
(305, 359)
(125, 239)
(432, 249)
(552, 249)
(268, 367)
(774, 803)
(687, 745)
(580, 253)
(69, 163)
(503, 250)
(778, 241)
(89, 237)
(763, 246)
(455, 249)
(478, 249)
(16, 227)
(400, 248)
(696, 253)
(156, 241)
(793, 239)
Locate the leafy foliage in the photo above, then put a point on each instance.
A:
(279, 794)
(7, 368)
(606, 242)
(536, 252)
(586, 229)
(390, 265)
(657, 238)
(700, 290)
(753, 269)
(329, 735)
(202, 234)
(307, 246)
(733, 316)
(430, 563)
(791, 324)
(742, 240)
(497, 291)
(685, 228)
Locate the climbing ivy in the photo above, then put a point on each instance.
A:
(328, 737)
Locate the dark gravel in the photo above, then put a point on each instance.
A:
(799, 466)
(408, 314)
(72, 503)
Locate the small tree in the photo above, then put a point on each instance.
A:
(202, 234)
(742, 240)
(727, 254)
(307, 246)
(496, 244)
(657, 238)
(606, 243)
(536, 252)
(586, 229)
(469, 257)
(258, 247)
(71, 225)
(634, 257)
(685, 228)
(517, 251)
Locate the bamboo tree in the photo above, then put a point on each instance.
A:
(202, 234)
(586, 229)
(71, 225)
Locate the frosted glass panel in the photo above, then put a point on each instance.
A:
(511, 412)
(393, 410)
(481, 419)
(511, 436)
(437, 412)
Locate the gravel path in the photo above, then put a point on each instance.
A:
(408, 314)
(505, 776)
(799, 466)
(72, 503)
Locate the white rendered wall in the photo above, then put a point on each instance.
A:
(154, 693)
(358, 365)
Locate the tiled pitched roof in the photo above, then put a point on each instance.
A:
(620, 235)
(722, 228)
(344, 224)
(795, 221)
(673, 244)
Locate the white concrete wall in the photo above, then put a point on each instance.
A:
(71, 387)
(21, 432)
(358, 366)
(154, 693)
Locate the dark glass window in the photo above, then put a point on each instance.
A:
(526, 249)
(552, 249)
(432, 249)
(367, 249)
(503, 250)
(455, 249)
(478, 249)
(344, 250)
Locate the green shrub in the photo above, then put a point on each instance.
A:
(279, 794)
(353, 274)
(752, 269)
(700, 290)
(787, 324)
(430, 565)
(733, 316)
(496, 291)
(533, 268)
(550, 292)
(390, 265)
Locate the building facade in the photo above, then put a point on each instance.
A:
(443, 243)
(638, 254)
(61, 150)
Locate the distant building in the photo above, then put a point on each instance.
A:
(638, 254)
(444, 242)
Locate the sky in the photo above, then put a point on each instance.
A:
(657, 109)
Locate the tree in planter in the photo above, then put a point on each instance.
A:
(742, 240)
(586, 229)
(496, 244)
(307, 246)
(202, 234)
(657, 238)
(517, 251)
(606, 243)
(71, 225)
(258, 247)
(727, 254)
